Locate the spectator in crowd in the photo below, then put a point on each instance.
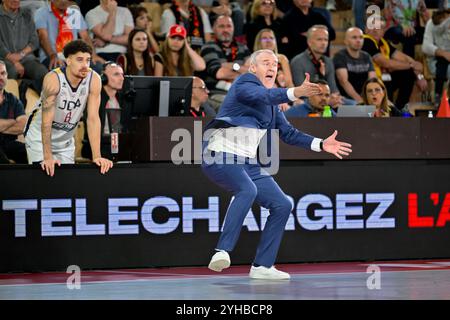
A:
(263, 16)
(111, 26)
(314, 105)
(314, 62)
(265, 39)
(111, 110)
(436, 44)
(143, 21)
(374, 93)
(57, 24)
(18, 40)
(353, 66)
(296, 23)
(138, 59)
(403, 24)
(12, 123)
(192, 18)
(397, 70)
(225, 59)
(176, 57)
(200, 107)
(232, 9)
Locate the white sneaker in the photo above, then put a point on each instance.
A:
(219, 261)
(268, 273)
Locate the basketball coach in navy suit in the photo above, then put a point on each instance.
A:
(248, 111)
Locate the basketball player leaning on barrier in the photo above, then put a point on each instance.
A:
(50, 129)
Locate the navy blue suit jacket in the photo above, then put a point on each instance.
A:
(250, 104)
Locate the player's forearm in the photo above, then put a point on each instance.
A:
(48, 114)
(93, 126)
(47, 140)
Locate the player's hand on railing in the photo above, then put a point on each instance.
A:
(104, 164)
(49, 166)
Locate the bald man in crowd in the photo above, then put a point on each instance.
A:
(353, 66)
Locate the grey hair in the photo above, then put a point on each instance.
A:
(314, 28)
(2, 62)
(255, 55)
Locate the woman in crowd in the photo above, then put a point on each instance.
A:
(176, 57)
(375, 93)
(138, 60)
(142, 20)
(263, 16)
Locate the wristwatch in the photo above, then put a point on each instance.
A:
(236, 67)
(22, 54)
(420, 76)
